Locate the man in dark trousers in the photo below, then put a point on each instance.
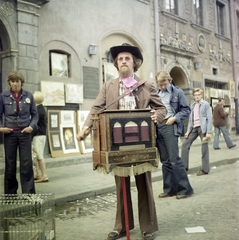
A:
(127, 60)
(175, 179)
(220, 122)
(20, 118)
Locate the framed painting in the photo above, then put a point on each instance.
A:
(86, 146)
(232, 88)
(68, 138)
(213, 92)
(55, 141)
(67, 117)
(207, 94)
(74, 93)
(110, 71)
(59, 64)
(53, 93)
(233, 110)
(214, 102)
(220, 93)
(53, 120)
(227, 97)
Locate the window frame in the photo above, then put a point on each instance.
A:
(60, 52)
(198, 13)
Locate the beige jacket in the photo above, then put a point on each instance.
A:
(145, 96)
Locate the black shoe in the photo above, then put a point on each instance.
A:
(234, 145)
(217, 148)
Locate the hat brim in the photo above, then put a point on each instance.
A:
(124, 48)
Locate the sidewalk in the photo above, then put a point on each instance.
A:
(72, 178)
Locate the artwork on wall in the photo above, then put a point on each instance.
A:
(207, 94)
(54, 121)
(86, 146)
(214, 92)
(214, 102)
(110, 71)
(233, 110)
(55, 141)
(227, 97)
(232, 88)
(53, 93)
(68, 138)
(74, 93)
(67, 117)
(59, 65)
(220, 93)
(62, 133)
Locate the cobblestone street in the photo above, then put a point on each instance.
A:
(214, 206)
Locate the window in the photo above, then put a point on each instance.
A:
(215, 84)
(172, 6)
(198, 12)
(59, 64)
(220, 18)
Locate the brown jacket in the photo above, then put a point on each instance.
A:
(146, 96)
(219, 116)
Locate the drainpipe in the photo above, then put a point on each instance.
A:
(157, 35)
(233, 27)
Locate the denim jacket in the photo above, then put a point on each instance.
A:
(181, 109)
(27, 115)
(205, 117)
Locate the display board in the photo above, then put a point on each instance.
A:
(62, 133)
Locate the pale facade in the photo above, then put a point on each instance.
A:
(189, 38)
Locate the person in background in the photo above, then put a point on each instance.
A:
(39, 139)
(20, 118)
(175, 179)
(127, 60)
(199, 124)
(219, 122)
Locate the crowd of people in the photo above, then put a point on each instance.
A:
(24, 128)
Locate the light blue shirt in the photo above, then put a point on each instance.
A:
(165, 97)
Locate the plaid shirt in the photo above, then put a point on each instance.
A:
(122, 100)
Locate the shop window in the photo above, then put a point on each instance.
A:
(59, 64)
(215, 84)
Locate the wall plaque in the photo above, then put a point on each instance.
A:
(91, 82)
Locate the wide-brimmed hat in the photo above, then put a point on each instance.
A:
(125, 47)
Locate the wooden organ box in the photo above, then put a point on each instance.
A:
(124, 138)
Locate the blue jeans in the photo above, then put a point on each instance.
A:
(186, 147)
(13, 141)
(225, 135)
(175, 179)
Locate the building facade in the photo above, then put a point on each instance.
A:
(57, 41)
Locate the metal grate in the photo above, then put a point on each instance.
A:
(27, 216)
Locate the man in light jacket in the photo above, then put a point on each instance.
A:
(199, 124)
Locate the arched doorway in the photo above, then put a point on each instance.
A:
(179, 77)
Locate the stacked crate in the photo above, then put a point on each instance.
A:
(27, 217)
